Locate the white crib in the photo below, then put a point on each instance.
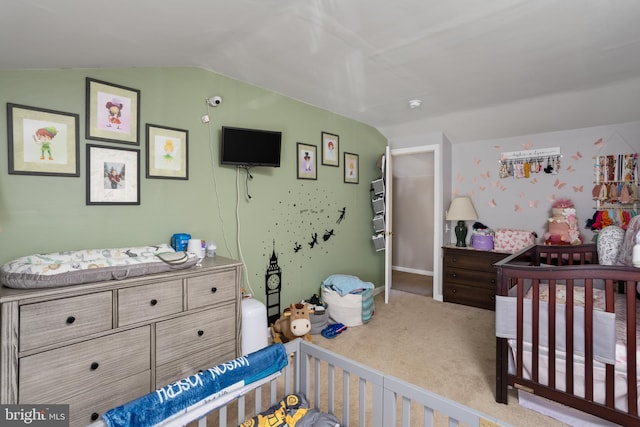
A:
(356, 394)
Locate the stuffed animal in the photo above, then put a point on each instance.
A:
(293, 323)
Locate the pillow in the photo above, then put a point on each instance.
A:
(609, 243)
(625, 257)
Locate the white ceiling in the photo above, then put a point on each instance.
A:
(469, 61)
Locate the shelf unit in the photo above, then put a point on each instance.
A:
(378, 221)
(616, 171)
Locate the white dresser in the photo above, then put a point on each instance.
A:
(98, 345)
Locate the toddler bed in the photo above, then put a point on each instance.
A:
(568, 330)
(339, 392)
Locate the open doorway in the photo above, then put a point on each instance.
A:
(413, 225)
(415, 203)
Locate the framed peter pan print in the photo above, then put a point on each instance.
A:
(113, 112)
(42, 142)
(330, 149)
(351, 168)
(167, 152)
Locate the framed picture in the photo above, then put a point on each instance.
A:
(351, 168)
(113, 176)
(330, 149)
(167, 152)
(42, 142)
(113, 112)
(307, 161)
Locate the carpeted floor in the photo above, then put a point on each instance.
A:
(446, 348)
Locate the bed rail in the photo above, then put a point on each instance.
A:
(354, 393)
(571, 267)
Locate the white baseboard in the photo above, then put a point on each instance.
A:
(412, 270)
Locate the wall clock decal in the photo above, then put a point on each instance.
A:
(273, 285)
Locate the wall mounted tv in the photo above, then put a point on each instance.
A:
(250, 147)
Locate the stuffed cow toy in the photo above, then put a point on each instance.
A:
(293, 323)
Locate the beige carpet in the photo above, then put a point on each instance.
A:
(446, 348)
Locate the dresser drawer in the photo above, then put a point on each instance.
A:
(179, 337)
(59, 320)
(472, 260)
(147, 302)
(88, 407)
(480, 279)
(56, 375)
(194, 362)
(469, 295)
(210, 289)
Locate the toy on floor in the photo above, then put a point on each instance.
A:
(293, 323)
(333, 329)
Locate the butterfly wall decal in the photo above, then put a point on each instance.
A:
(559, 184)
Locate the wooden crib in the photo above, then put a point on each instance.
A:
(585, 357)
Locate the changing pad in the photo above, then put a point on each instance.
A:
(91, 265)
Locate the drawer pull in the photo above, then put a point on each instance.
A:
(95, 416)
(454, 259)
(94, 366)
(454, 275)
(70, 320)
(453, 291)
(154, 301)
(200, 333)
(214, 290)
(493, 281)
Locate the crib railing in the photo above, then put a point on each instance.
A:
(570, 267)
(354, 393)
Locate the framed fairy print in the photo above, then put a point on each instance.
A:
(330, 149)
(167, 152)
(351, 168)
(113, 176)
(307, 162)
(112, 112)
(42, 142)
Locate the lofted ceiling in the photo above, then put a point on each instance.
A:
(468, 61)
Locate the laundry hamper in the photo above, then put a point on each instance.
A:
(349, 299)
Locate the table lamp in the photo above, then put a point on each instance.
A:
(461, 210)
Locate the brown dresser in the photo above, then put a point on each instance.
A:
(469, 277)
(98, 345)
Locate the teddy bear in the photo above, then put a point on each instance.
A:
(293, 323)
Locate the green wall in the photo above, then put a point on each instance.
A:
(40, 214)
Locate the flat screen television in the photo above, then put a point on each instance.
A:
(250, 147)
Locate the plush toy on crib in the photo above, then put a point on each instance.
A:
(293, 323)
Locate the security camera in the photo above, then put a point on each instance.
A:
(214, 101)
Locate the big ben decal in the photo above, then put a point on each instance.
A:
(273, 284)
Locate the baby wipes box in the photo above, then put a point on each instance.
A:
(179, 241)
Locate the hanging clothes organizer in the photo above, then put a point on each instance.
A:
(616, 190)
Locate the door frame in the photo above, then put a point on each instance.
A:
(438, 215)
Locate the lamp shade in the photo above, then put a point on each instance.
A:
(461, 209)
